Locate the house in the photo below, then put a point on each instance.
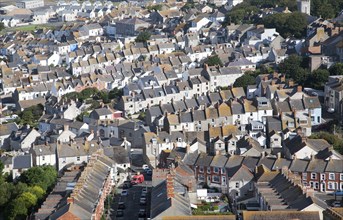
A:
(44, 154)
(24, 138)
(303, 147)
(240, 180)
(244, 64)
(76, 151)
(21, 163)
(169, 197)
(130, 26)
(334, 95)
(5, 132)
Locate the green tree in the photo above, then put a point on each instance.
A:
(336, 69)
(2, 26)
(29, 199)
(155, 7)
(115, 93)
(27, 118)
(292, 67)
(214, 61)
(44, 177)
(143, 37)
(37, 191)
(244, 81)
(318, 78)
(326, 11)
(293, 24)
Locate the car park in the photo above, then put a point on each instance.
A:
(124, 193)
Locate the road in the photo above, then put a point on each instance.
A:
(131, 202)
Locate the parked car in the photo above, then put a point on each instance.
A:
(120, 213)
(142, 201)
(336, 204)
(121, 205)
(145, 166)
(145, 190)
(149, 172)
(124, 193)
(142, 213)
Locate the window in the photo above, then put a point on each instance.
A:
(238, 116)
(331, 185)
(316, 185)
(201, 178)
(322, 176)
(215, 179)
(78, 158)
(275, 139)
(223, 170)
(331, 176)
(304, 176)
(223, 180)
(341, 176)
(201, 169)
(64, 160)
(311, 184)
(208, 169)
(251, 114)
(313, 176)
(216, 169)
(237, 184)
(43, 157)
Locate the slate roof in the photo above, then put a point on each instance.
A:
(22, 162)
(204, 160)
(219, 161)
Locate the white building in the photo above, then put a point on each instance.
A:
(29, 4)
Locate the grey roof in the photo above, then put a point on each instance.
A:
(179, 105)
(267, 162)
(219, 161)
(234, 161)
(203, 100)
(199, 115)
(316, 165)
(7, 129)
(186, 117)
(251, 162)
(237, 108)
(167, 108)
(191, 103)
(281, 162)
(296, 104)
(191, 158)
(22, 161)
(299, 165)
(215, 97)
(334, 166)
(273, 124)
(155, 111)
(204, 160)
(118, 154)
(44, 149)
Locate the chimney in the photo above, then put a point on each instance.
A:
(299, 89)
(170, 186)
(65, 127)
(309, 192)
(70, 200)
